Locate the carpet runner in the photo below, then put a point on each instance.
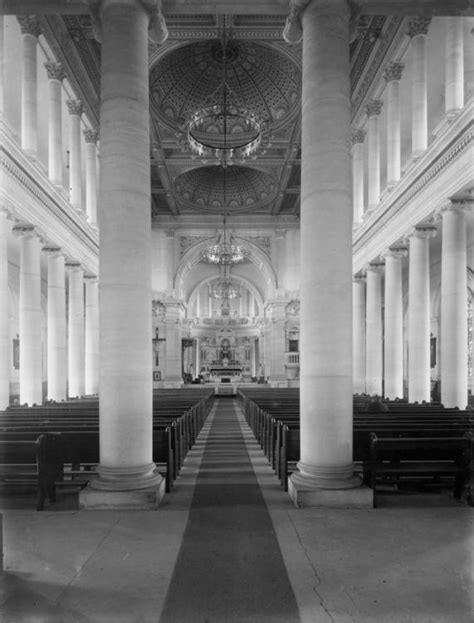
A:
(229, 568)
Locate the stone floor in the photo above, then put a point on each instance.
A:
(411, 560)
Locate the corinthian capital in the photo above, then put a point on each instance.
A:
(374, 107)
(418, 26)
(393, 71)
(29, 25)
(74, 107)
(55, 70)
(357, 136)
(90, 136)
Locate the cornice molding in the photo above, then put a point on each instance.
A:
(447, 162)
(32, 198)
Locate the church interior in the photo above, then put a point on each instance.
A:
(236, 259)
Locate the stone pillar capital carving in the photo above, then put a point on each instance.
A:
(359, 278)
(29, 25)
(29, 231)
(90, 136)
(393, 71)
(90, 277)
(374, 107)
(73, 265)
(157, 30)
(423, 231)
(418, 26)
(357, 136)
(52, 251)
(396, 252)
(55, 70)
(74, 107)
(375, 267)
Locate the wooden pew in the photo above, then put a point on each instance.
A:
(399, 460)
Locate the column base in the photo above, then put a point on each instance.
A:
(136, 500)
(341, 489)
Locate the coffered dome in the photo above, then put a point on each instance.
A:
(246, 189)
(259, 78)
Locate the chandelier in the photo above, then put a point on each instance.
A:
(225, 250)
(225, 288)
(224, 130)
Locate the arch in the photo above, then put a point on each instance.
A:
(256, 256)
(241, 280)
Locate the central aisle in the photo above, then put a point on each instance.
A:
(230, 568)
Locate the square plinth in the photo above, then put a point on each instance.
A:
(357, 497)
(136, 500)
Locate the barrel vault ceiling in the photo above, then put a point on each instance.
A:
(264, 71)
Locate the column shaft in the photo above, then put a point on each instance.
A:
(358, 174)
(91, 175)
(55, 140)
(326, 243)
(56, 310)
(417, 30)
(29, 106)
(373, 143)
(393, 343)
(454, 310)
(393, 74)
(374, 342)
(30, 318)
(125, 252)
(76, 331)
(419, 317)
(5, 341)
(92, 336)
(454, 73)
(358, 320)
(75, 173)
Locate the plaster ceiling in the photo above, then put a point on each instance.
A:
(264, 75)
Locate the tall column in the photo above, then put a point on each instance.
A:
(454, 71)
(31, 391)
(30, 30)
(173, 336)
(5, 349)
(197, 362)
(76, 330)
(358, 137)
(251, 304)
(56, 75)
(454, 306)
(92, 335)
(374, 343)
(75, 174)
(393, 310)
(91, 137)
(277, 344)
(325, 470)
(358, 322)
(417, 31)
(126, 380)
(393, 75)
(374, 108)
(419, 315)
(56, 341)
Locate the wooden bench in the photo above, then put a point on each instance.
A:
(420, 460)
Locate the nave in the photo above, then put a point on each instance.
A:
(227, 545)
